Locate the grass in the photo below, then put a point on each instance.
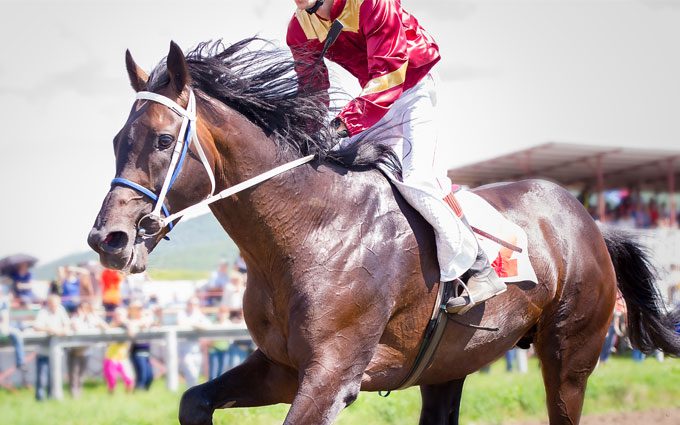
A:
(493, 398)
(178, 274)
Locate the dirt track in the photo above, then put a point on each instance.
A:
(651, 417)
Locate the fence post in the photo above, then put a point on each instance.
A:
(172, 378)
(56, 371)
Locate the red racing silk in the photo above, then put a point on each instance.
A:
(381, 44)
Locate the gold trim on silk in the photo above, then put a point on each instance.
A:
(315, 27)
(387, 81)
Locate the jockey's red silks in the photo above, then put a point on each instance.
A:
(381, 44)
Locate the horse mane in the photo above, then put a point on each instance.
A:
(259, 81)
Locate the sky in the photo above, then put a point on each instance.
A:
(514, 74)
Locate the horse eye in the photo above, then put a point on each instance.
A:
(164, 141)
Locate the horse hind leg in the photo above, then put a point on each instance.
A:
(441, 403)
(568, 345)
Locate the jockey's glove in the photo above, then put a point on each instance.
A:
(335, 125)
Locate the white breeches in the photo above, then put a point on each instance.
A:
(409, 128)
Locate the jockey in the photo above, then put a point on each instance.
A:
(392, 56)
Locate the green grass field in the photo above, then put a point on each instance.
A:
(494, 398)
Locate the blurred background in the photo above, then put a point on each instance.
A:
(585, 93)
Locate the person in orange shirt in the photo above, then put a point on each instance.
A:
(111, 298)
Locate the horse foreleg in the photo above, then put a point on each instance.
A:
(329, 382)
(256, 382)
(441, 403)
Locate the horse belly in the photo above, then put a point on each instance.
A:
(462, 350)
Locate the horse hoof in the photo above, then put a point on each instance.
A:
(194, 408)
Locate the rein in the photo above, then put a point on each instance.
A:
(160, 215)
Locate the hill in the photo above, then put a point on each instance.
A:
(195, 245)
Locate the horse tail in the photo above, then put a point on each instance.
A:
(650, 325)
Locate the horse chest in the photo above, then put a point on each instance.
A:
(266, 323)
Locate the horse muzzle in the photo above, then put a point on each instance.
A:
(118, 249)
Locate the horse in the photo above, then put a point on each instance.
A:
(342, 272)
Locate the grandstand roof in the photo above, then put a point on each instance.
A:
(576, 165)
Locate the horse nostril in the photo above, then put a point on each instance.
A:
(114, 241)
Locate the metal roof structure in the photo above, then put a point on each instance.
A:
(578, 165)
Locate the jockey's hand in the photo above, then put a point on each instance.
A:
(340, 128)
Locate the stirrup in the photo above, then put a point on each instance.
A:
(461, 294)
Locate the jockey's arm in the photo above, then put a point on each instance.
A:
(310, 68)
(386, 46)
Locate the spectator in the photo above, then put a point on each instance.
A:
(132, 287)
(232, 297)
(22, 285)
(615, 330)
(215, 286)
(218, 350)
(53, 320)
(510, 360)
(54, 288)
(84, 320)
(638, 356)
(653, 213)
(87, 290)
(116, 357)
(140, 351)
(189, 349)
(70, 289)
(14, 334)
(111, 298)
(156, 310)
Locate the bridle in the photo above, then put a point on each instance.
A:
(160, 216)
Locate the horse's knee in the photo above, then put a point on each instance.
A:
(195, 408)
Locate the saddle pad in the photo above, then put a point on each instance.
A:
(510, 265)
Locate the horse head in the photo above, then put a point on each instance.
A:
(252, 117)
(124, 232)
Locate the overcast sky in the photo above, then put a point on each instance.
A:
(514, 74)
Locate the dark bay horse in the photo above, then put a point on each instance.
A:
(342, 273)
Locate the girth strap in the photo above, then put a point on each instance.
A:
(431, 338)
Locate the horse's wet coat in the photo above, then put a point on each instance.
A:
(342, 273)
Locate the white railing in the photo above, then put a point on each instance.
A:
(169, 334)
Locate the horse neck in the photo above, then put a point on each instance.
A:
(265, 219)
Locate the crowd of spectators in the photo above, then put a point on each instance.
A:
(90, 299)
(632, 211)
(87, 298)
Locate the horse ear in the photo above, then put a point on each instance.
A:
(177, 67)
(138, 77)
